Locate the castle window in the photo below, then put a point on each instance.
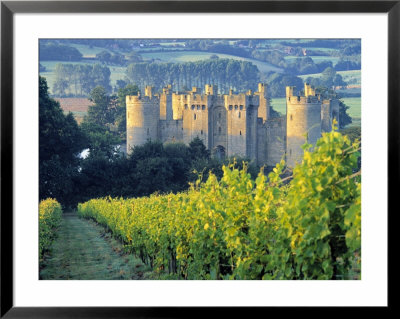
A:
(230, 107)
(291, 117)
(240, 132)
(186, 106)
(192, 107)
(241, 107)
(240, 114)
(203, 107)
(198, 107)
(194, 117)
(236, 107)
(201, 132)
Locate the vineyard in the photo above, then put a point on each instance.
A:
(49, 218)
(303, 226)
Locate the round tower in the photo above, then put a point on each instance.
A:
(142, 119)
(303, 119)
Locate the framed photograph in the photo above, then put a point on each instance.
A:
(181, 155)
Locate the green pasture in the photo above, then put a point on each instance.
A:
(354, 104)
(316, 58)
(353, 77)
(279, 104)
(330, 50)
(169, 44)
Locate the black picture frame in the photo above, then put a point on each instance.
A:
(9, 8)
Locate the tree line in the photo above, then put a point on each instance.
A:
(226, 73)
(80, 79)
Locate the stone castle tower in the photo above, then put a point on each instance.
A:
(306, 118)
(229, 124)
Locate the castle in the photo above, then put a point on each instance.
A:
(231, 124)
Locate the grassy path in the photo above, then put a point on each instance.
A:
(83, 250)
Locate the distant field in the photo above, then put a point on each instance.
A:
(353, 77)
(193, 56)
(355, 109)
(279, 104)
(77, 106)
(88, 51)
(316, 58)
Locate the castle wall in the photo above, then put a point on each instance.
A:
(261, 142)
(218, 127)
(236, 124)
(275, 140)
(303, 118)
(177, 106)
(252, 134)
(142, 119)
(195, 120)
(171, 130)
(166, 107)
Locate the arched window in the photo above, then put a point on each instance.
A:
(194, 117)
(240, 132)
(240, 114)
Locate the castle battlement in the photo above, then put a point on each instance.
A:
(195, 98)
(240, 100)
(141, 99)
(303, 100)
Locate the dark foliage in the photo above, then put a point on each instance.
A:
(58, 52)
(60, 142)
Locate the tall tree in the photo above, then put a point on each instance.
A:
(99, 125)
(60, 142)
